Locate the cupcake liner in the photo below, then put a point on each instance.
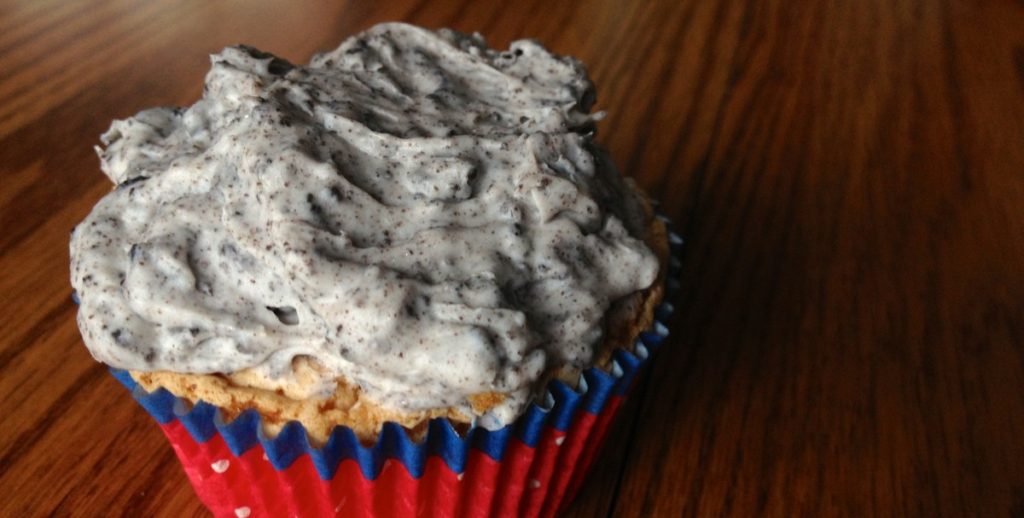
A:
(532, 467)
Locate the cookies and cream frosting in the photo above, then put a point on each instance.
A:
(422, 215)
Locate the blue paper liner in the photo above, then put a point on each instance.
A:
(561, 403)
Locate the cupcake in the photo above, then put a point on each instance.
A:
(399, 280)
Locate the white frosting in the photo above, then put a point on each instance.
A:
(426, 217)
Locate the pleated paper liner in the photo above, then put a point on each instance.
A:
(532, 467)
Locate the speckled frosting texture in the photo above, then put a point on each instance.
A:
(423, 216)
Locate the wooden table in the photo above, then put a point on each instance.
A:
(849, 175)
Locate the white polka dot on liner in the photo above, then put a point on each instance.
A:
(559, 440)
(242, 512)
(221, 465)
(534, 483)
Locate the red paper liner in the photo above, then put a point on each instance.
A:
(533, 481)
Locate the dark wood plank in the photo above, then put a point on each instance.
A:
(850, 178)
(852, 318)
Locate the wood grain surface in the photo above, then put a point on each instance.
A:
(849, 175)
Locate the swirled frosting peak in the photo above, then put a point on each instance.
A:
(424, 216)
